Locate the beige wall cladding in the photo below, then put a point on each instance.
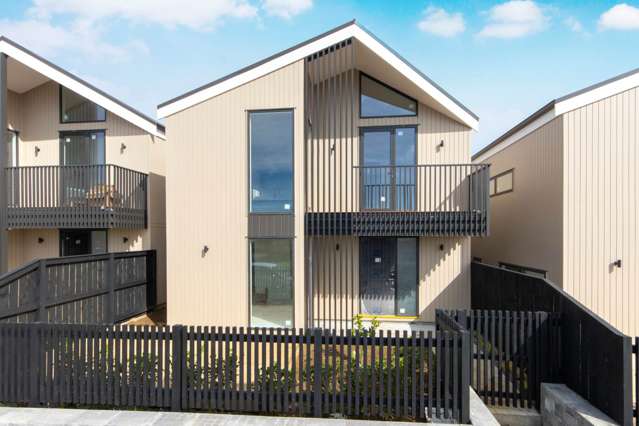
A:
(600, 202)
(444, 275)
(526, 224)
(207, 201)
(24, 245)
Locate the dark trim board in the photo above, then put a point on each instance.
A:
(398, 224)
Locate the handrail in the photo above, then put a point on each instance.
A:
(121, 284)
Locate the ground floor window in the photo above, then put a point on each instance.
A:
(271, 282)
(75, 242)
(388, 276)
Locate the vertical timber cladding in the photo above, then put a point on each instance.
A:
(331, 132)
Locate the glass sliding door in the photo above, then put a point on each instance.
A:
(75, 242)
(86, 150)
(271, 282)
(271, 161)
(388, 168)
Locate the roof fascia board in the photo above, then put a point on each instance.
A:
(352, 30)
(583, 98)
(78, 87)
(520, 134)
(254, 73)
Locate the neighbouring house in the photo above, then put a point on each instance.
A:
(329, 180)
(83, 172)
(564, 197)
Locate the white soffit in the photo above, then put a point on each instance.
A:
(79, 87)
(352, 30)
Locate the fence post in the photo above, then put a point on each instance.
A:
(34, 368)
(465, 371)
(177, 358)
(317, 369)
(151, 279)
(42, 291)
(110, 281)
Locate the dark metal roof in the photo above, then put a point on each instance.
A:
(304, 43)
(549, 106)
(158, 125)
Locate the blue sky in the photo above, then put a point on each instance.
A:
(502, 59)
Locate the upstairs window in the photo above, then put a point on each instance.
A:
(271, 161)
(76, 109)
(380, 100)
(502, 183)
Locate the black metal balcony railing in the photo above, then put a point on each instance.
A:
(434, 199)
(87, 196)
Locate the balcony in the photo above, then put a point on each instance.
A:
(421, 200)
(88, 196)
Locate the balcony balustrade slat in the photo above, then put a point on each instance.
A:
(83, 196)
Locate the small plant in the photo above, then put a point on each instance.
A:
(361, 330)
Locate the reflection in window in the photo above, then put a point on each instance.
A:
(12, 148)
(379, 100)
(271, 168)
(76, 242)
(77, 109)
(82, 148)
(271, 280)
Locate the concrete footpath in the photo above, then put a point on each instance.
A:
(76, 417)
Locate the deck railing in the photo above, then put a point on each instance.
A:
(99, 288)
(417, 200)
(85, 196)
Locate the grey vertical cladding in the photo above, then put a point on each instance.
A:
(4, 237)
(271, 226)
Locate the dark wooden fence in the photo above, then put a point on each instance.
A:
(595, 357)
(93, 289)
(278, 371)
(512, 353)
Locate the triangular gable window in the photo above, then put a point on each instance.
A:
(380, 100)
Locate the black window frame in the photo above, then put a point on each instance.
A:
(63, 133)
(291, 212)
(291, 240)
(60, 88)
(63, 230)
(497, 176)
(363, 74)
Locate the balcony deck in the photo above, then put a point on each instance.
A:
(410, 201)
(88, 197)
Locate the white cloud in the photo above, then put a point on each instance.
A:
(286, 8)
(48, 39)
(620, 17)
(574, 25)
(513, 19)
(439, 22)
(194, 14)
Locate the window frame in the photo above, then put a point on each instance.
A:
(291, 212)
(89, 230)
(63, 133)
(249, 275)
(61, 121)
(363, 74)
(494, 179)
(16, 134)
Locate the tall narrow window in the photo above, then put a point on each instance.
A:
(271, 156)
(380, 100)
(82, 148)
(271, 281)
(79, 184)
(77, 109)
(12, 148)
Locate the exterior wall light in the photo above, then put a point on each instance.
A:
(40, 240)
(125, 240)
(122, 148)
(37, 150)
(441, 144)
(617, 263)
